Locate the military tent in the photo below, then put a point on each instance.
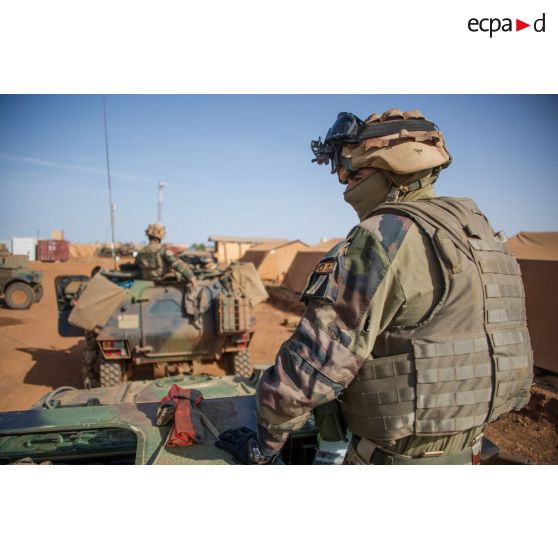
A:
(231, 248)
(272, 259)
(537, 254)
(304, 263)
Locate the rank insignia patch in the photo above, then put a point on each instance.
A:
(325, 267)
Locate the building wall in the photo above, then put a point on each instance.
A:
(25, 246)
(226, 252)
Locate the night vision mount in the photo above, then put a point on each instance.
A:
(348, 128)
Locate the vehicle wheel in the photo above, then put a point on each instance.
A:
(110, 373)
(239, 363)
(38, 293)
(19, 296)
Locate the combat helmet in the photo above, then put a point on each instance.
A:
(401, 143)
(156, 230)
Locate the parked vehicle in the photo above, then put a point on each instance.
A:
(20, 285)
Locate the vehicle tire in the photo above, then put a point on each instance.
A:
(240, 363)
(38, 292)
(19, 296)
(110, 373)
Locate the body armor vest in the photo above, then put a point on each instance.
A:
(151, 262)
(470, 360)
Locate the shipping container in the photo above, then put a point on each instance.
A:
(53, 250)
(24, 246)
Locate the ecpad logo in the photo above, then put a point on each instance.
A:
(493, 25)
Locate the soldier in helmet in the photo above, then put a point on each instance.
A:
(414, 324)
(157, 261)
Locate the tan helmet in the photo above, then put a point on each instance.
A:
(398, 142)
(156, 230)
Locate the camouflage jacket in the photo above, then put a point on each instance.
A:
(156, 260)
(382, 274)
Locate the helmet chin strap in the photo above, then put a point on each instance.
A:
(396, 189)
(400, 190)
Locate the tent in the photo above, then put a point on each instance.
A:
(232, 248)
(537, 254)
(273, 259)
(304, 263)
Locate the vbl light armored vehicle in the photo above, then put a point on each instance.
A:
(117, 425)
(133, 325)
(20, 285)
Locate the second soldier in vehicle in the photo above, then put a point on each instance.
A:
(157, 261)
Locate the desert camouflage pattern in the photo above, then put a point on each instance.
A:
(157, 261)
(348, 300)
(404, 153)
(156, 230)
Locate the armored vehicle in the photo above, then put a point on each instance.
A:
(20, 286)
(164, 327)
(117, 425)
(203, 264)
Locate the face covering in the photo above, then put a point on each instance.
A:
(367, 194)
(373, 190)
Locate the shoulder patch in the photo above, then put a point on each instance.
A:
(390, 230)
(325, 267)
(323, 283)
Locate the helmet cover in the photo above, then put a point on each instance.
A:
(399, 150)
(156, 230)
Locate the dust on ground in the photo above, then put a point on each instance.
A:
(35, 359)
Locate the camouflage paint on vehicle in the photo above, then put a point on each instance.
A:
(8, 276)
(122, 420)
(118, 425)
(168, 324)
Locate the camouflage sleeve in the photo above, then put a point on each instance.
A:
(350, 297)
(177, 264)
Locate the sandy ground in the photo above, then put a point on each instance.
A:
(34, 359)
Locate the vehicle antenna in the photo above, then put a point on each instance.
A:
(160, 203)
(112, 206)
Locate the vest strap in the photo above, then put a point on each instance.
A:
(370, 453)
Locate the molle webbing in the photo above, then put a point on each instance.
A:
(471, 360)
(151, 262)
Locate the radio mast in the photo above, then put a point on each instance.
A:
(160, 203)
(112, 206)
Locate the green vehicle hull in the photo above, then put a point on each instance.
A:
(117, 426)
(19, 286)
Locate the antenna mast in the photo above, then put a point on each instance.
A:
(112, 206)
(160, 203)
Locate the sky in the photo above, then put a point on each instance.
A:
(240, 165)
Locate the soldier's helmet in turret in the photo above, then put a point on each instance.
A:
(156, 230)
(396, 141)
